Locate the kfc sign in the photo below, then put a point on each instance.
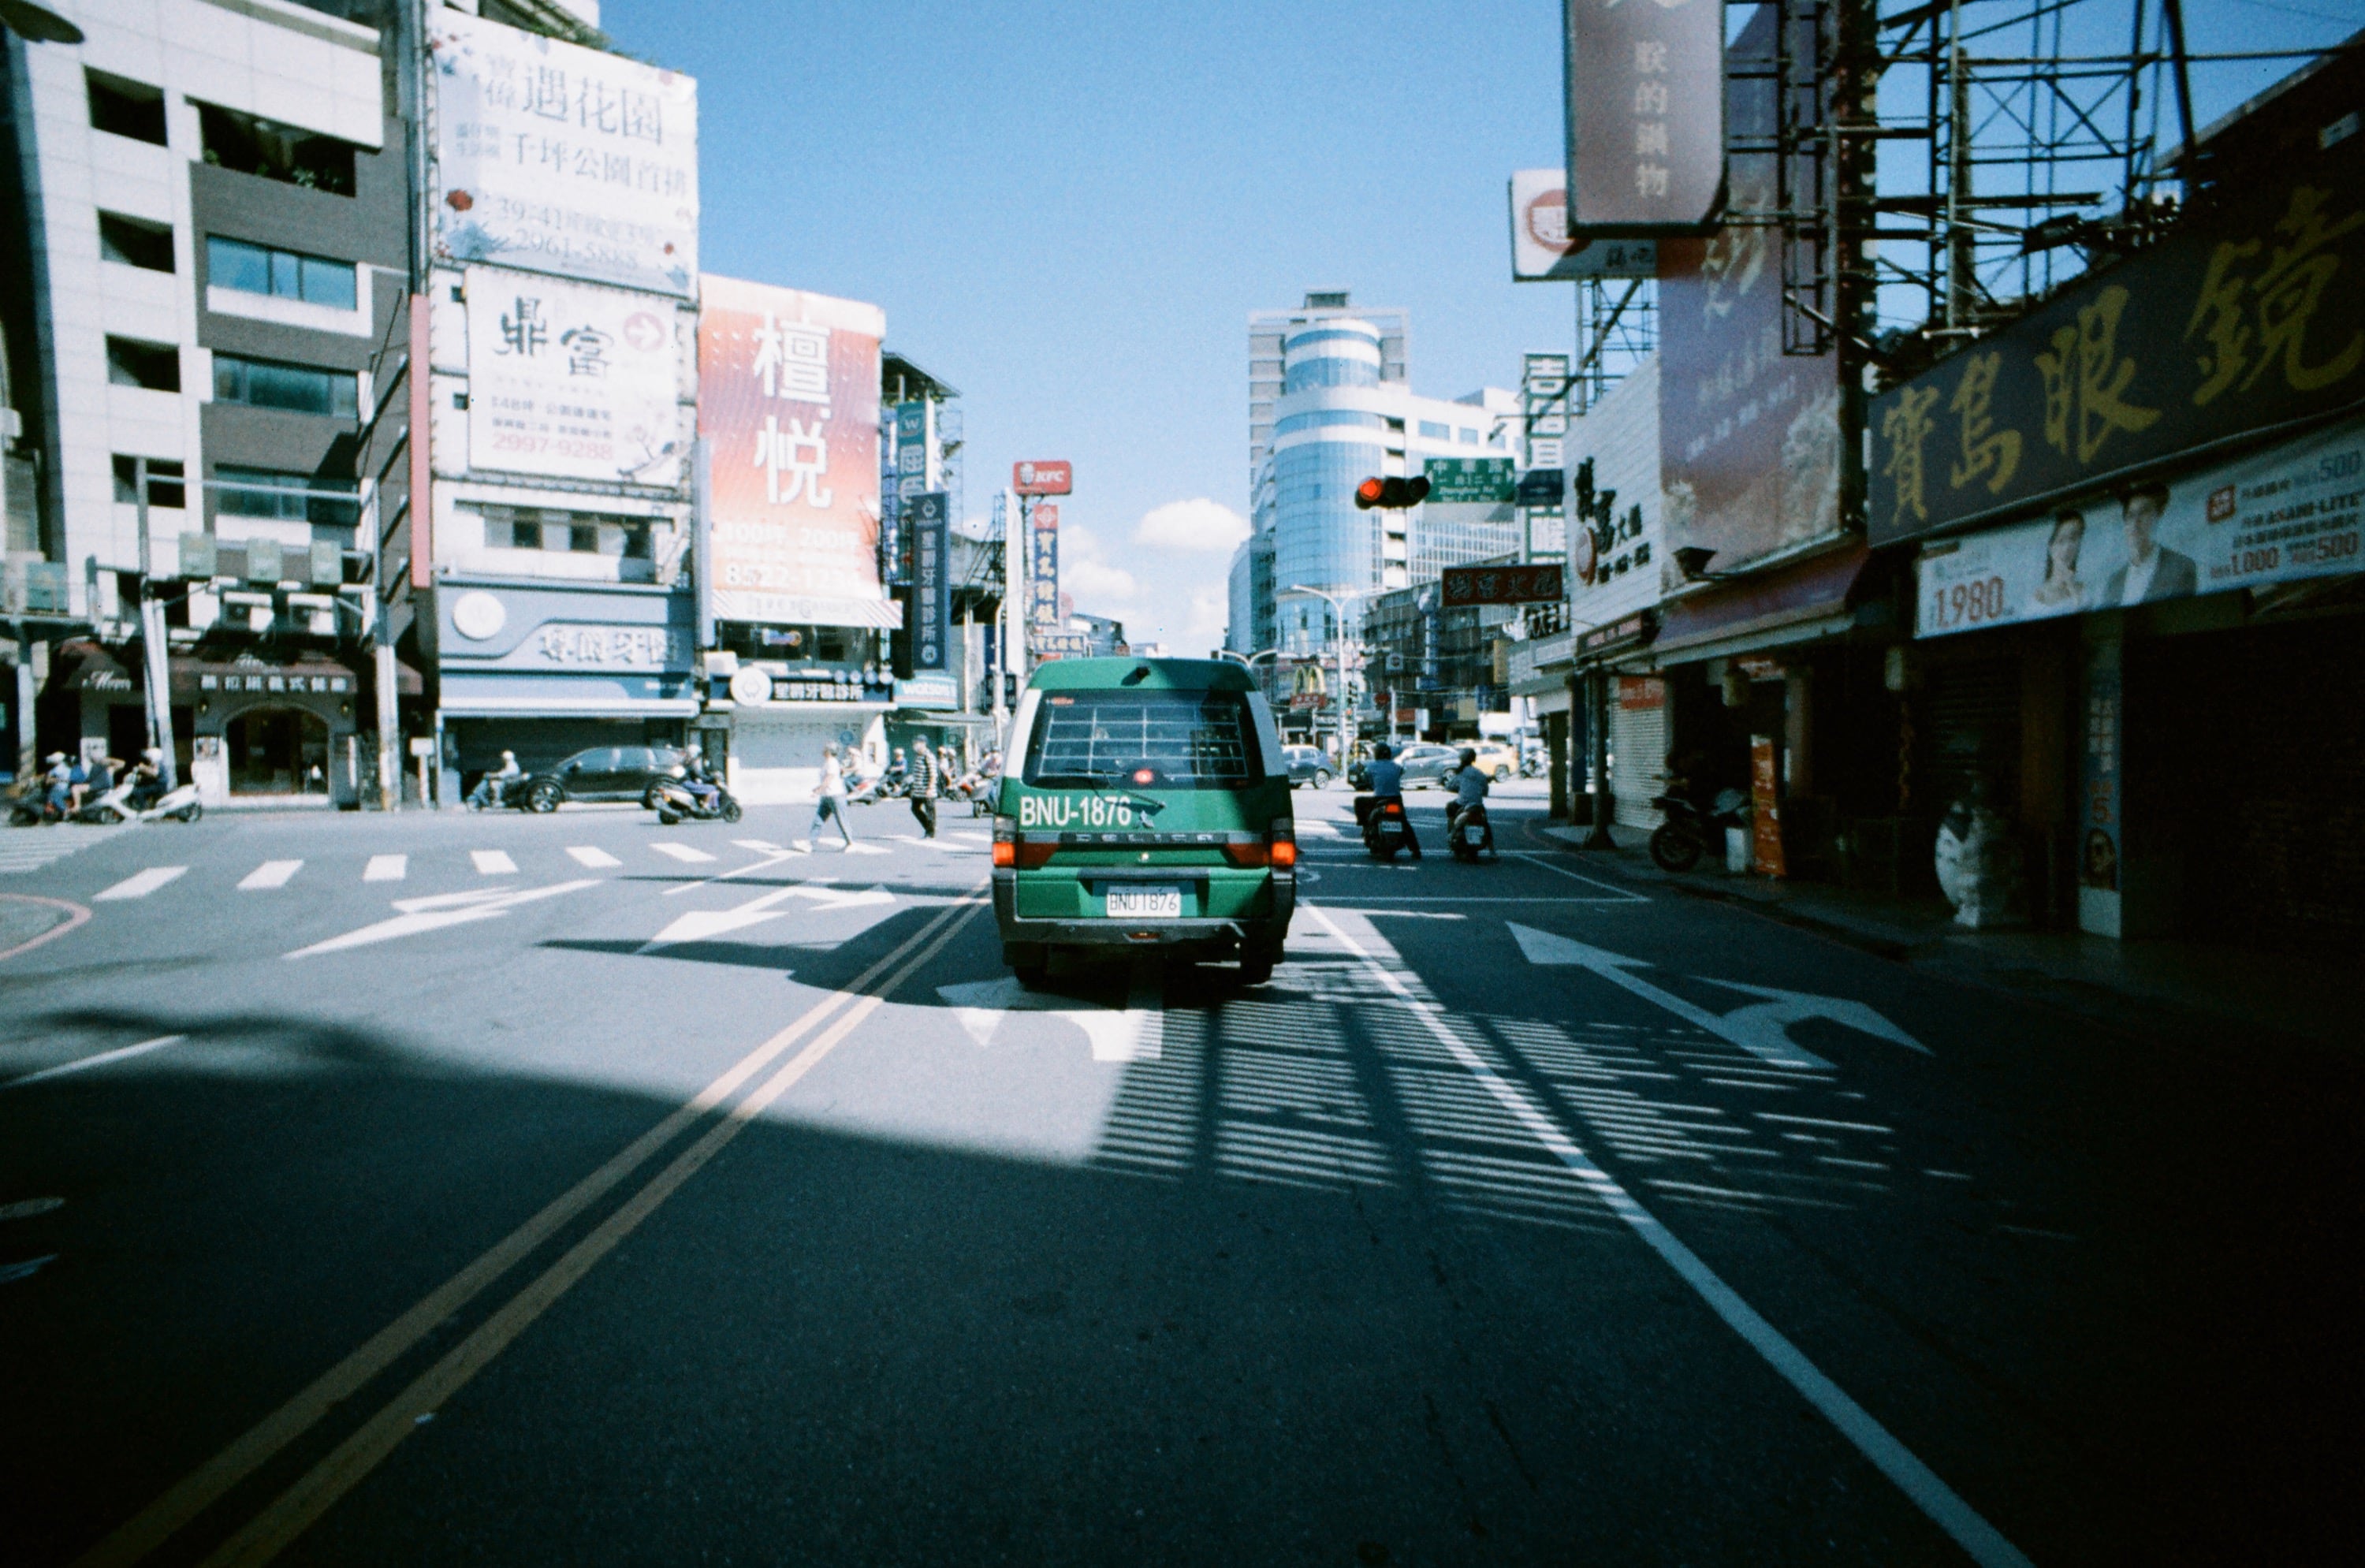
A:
(1042, 478)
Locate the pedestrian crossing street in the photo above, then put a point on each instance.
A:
(276, 876)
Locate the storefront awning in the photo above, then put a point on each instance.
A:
(1795, 604)
(807, 610)
(93, 669)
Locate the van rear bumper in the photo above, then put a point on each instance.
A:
(1263, 930)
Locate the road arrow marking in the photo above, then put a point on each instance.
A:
(435, 912)
(1116, 1035)
(1761, 1029)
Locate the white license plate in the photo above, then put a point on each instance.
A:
(1144, 904)
(1473, 835)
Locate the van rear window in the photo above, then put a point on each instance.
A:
(1150, 740)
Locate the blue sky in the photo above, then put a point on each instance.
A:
(1068, 210)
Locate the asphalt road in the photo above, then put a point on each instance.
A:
(573, 1190)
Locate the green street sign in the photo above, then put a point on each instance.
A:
(1488, 480)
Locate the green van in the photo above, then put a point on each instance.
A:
(1144, 804)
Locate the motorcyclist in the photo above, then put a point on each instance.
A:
(897, 768)
(493, 789)
(697, 777)
(147, 779)
(1386, 775)
(1469, 783)
(59, 777)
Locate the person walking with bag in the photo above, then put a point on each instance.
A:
(829, 798)
(927, 780)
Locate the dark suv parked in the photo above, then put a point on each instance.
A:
(603, 773)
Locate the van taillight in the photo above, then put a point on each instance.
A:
(1005, 841)
(1283, 843)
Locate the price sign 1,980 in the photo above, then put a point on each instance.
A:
(1960, 603)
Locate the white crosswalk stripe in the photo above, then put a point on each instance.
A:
(585, 855)
(493, 862)
(30, 849)
(682, 852)
(387, 868)
(140, 884)
(270, 874)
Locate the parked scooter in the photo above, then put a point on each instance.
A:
(1677, 842)
(1469, 834)
(1385, 831)
(871, 791)
(677, 801)
(180, 804)
(32, 806)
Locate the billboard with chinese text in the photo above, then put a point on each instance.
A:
(930, 620)
(789, 406)
(1541, 250)
(2241, 321)
(1749, 435)
(562, 159)
(1043, 566)
(571, 379)
(1645, 116)
(1504, 584)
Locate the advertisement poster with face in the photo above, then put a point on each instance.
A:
(572, 380)
(2284, 514)
(789, 406)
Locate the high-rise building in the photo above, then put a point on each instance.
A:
(1330, 405)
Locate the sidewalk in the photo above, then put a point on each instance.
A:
(2192, 989)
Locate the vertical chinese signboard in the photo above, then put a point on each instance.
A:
(571, 379)
(1043, 566)
(561, 159)
(932, 600)
(789, 402)
(1645, 100)
(2097, 808)
(2240, 322)
(1749, 436)
(1765, 806)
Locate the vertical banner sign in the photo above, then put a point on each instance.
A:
(1645, 116)
(932, 597)
(789, 402)
(572, 380)
(1765, 807)
(915, 467)
(561, 159)
(1043, 566)
(2098, 810)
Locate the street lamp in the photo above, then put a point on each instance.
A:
(1346, 708)
(1248, 661)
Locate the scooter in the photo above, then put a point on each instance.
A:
(179, 804)
(1677, 844)
(32, 806)
(1385, 831)
(677, 801)
(1468, 833)
(870, 792)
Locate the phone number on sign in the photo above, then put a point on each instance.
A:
(553, 446)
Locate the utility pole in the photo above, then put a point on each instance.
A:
(152, 638)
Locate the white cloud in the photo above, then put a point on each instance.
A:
(1200, 527)
(1098, 587)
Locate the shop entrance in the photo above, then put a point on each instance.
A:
(277, 751)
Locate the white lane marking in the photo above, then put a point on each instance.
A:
(701, 924)
(1450, 897)
(761, 847)
(857, 847)
(1938, 1501)
(772, 858)
(270, 874)
(1115, 1034)
(493, 862)
(682, 852)
(442, 910)
(387, 868)
(122, 1053)
(1544, 947)
(11, 1273)
(586, 855)
(1314, 827)
(28, 1207)
(1622, 895)
(31, 851)
(140, 884)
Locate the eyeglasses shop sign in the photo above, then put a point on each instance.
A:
(2287, 513)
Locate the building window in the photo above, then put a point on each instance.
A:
(164, 482)
(528, 528)
(124, 107)
(1311, 373)
(283, 274)
(298, 388)
(156, 366)
(1320, 416)
(135, 242)
(1469, 438)
(241, 491)
(252, 145)
(1431, 431)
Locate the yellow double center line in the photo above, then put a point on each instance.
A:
(268, 1532)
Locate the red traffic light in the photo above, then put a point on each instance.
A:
(1391, 493)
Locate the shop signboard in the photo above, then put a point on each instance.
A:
(2098, 803)
(572, 380)
(1504, 584)
(1645, 115)
(789, 402)
(1487, 481)
(1541, 250)
(2294, 511)
(1048, 643)
(1043, 478)
(936, 690)
(1765, 807)
(1749, 435)
(1043, 566)
(560, 159)
(932, 612)
(2235, 324)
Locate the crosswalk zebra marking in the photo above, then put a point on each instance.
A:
(493, 862)
(387, 868)
(30, 849)
(140, 884)
(682, 852)
(270, 874)
(585, 855)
